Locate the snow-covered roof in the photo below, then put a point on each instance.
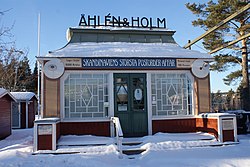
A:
(23, 96)
(123, 49)
(120, 28)
(47, 120)
(215, 115)
(4, 92)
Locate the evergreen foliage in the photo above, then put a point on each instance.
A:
(211, 14)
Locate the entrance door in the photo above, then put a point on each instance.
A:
(15, 115)
(131, 103)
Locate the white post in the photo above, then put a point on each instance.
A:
(149, 102)
(19, 114)
(235, 129)
(54, 136)
(220, 133)
(35, 137)
(119, 135)
(27, 113)
(38, 69)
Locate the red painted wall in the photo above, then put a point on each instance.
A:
(32, 111)
(167, 126)
(188, 125)
(23, 115)
(207, 125)
(228, 135)
(5, 116)
(174, 126)
(44, 142)
(85, 128)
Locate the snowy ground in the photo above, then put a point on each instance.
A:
(162, 150)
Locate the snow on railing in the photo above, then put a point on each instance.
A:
(119, 134)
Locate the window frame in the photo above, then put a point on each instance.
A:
(108, 105)
(191, 80)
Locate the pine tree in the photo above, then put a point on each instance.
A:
(229, 99)
(24, 76)
(35, 79)
(210, 15)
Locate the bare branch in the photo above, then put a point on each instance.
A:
(234, 24)
(2, 12)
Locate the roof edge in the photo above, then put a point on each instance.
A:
(8, 93)
(34, 95)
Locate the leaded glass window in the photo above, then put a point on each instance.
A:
(171, 94)
(85, 95)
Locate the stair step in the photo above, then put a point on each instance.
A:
(74, 145)
(56, 153)
(133, 151)
(131, 141)
(135, 143)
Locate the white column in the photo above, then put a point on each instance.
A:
(54, 136)
(35, 137)
(19, 114)
(235, 129)
(149, 103)
(27, 114)
(220, 133)
(111, 101)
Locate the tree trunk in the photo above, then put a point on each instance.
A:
(245, 77)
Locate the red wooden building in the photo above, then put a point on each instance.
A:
(139, 75)
(24, 110)
(5, 113)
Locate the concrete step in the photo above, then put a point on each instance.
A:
(133, 151)
(132, 146)
(131, 141)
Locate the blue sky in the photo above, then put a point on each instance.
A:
(57, 16)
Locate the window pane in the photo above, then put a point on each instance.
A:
(172, 112)
(138, 94)
(98, 115)
(72, 106)
(121, 94)
(154, 110)
(100, 107)
(183, 112)
(74, 75)
(66, 100)
(75, 115)
(66, 112)
(86, 115)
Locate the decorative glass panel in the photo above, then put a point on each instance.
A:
(122, 94)
(84, 95)
(138, 94)
(173, 93)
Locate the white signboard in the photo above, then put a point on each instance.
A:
(184, 63)
(44, 129)
(227, 124)
(138, 94)
(122, 107)
(72, 62)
